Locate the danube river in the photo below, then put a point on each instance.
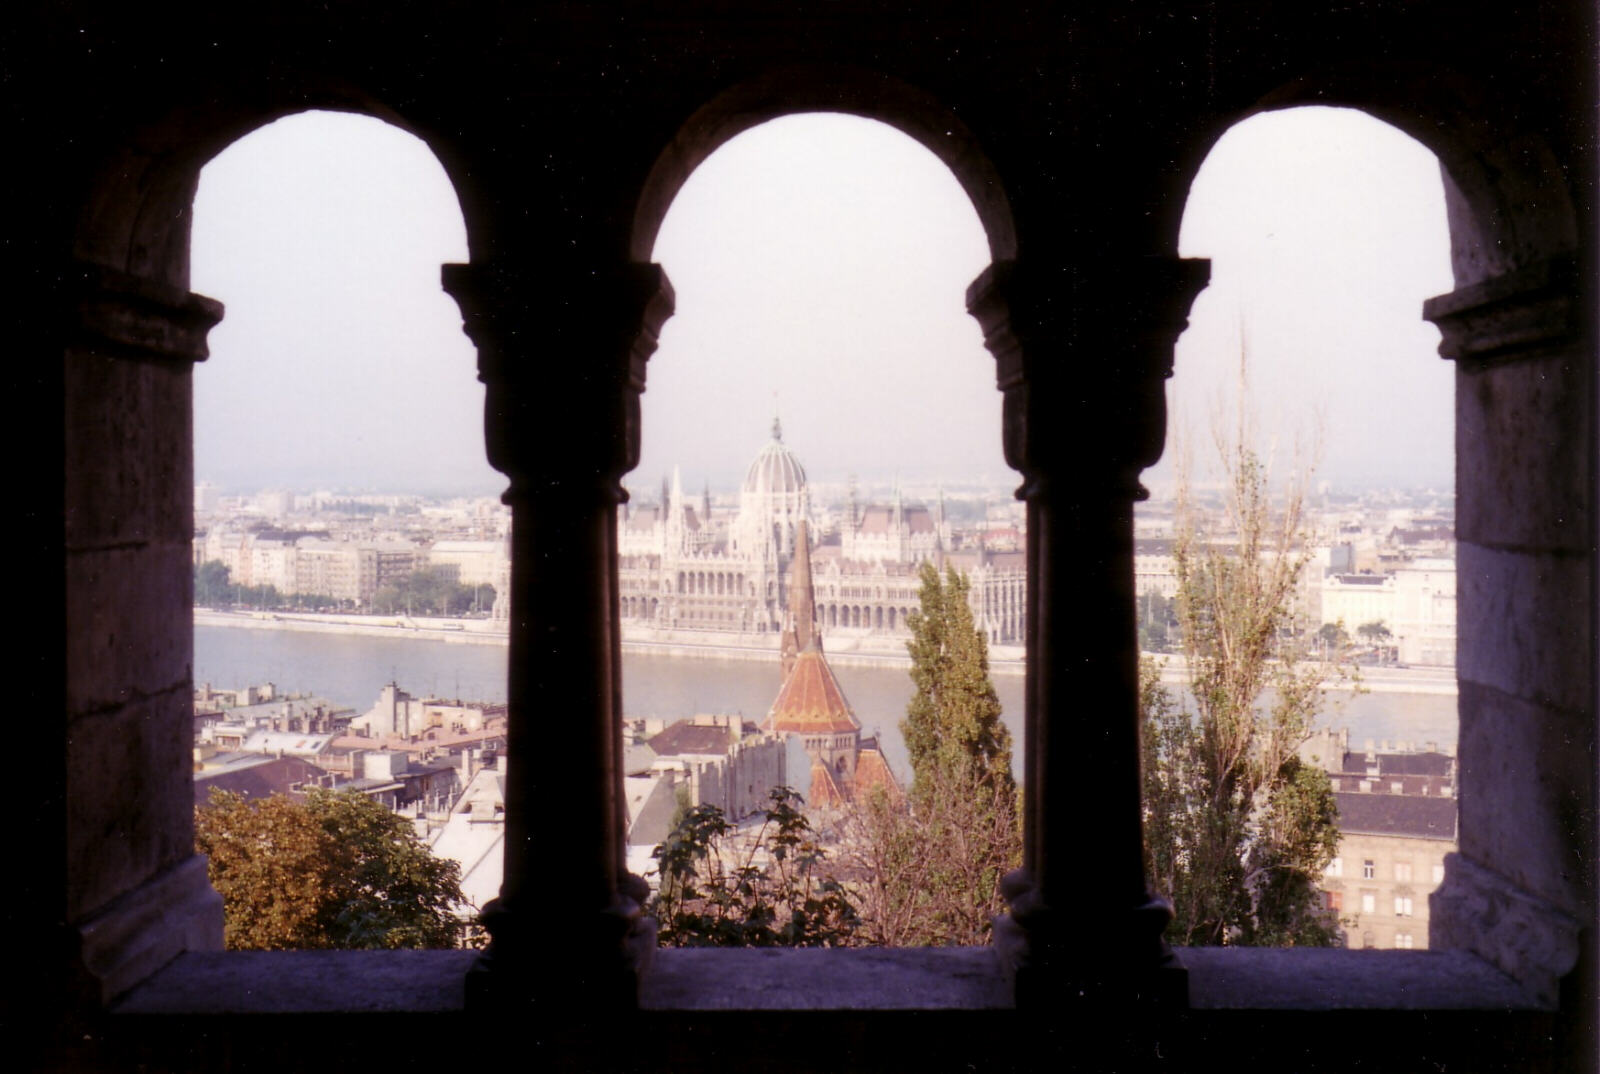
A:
(350, 669)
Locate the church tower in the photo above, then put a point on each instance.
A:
(800, 629)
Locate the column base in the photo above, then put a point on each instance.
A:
(1053, 961)
(543, 967)
(1525, 937)
(146, 928)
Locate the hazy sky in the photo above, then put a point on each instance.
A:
(820, 264)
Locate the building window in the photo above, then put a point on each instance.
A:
(1333, 900)
(1369, 869)
(1403, 941)
(1336, 867)
(1402, 872)
(1438, 872)
(1402, 906)
(1369, 903)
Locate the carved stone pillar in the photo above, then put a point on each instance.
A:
(1082, 361)
(562, 350)
(1525, 433)
(135, 894)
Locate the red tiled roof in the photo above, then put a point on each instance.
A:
(873, 771)
(810, 701)
(825, 790)
(686, 736)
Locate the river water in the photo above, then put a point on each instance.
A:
(351, 669)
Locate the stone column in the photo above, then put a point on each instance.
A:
(136, 894)
(562, 351)
(1082, 358)
(1525, 643)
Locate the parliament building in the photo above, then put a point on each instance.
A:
(680, 567)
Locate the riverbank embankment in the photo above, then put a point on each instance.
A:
(844, 648)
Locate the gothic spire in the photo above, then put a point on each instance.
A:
(800, 633)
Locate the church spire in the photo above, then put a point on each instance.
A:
(800, 633)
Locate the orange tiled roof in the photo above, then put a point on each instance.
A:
(810, 701)
(826, 792)
(873, 771)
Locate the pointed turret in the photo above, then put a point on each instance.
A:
(800, 632)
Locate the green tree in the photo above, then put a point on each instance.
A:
(1238, 830)
(430, 591)
(1375, 632)
(765, 893)
(338, 870)
(1334, 637)
(1155, 622)
(952, 723)
(930, 862)
(211, 584)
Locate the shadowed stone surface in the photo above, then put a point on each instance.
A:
(287, 982)
(116, 840)
(1528, 616)
(1520, 764)
(1521, 430)
(131, 609)
(1264, 978)
(907, 978)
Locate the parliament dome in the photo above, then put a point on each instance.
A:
(775, 470)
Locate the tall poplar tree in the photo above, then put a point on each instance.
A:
(1238, 830)
(952, 722)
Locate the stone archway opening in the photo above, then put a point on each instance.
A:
(820, 264)
(340, 472)
(1326, 230)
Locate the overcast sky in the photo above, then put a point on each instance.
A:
(820, 264)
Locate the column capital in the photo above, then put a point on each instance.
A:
(573, 337)
(1525, 313)
(133, 317)
(1081, 353)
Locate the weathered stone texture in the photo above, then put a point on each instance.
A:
(1527, 938)
(1525, 624)
(130, 814)
(130, 464)
(145, 929)
(1525, 771)
(130, 618)
(1522, 436)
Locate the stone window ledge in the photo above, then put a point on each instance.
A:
(304, 982)
(1220, 979)
(773, 979)
(1331, 979)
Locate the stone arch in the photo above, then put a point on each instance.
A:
(1506, 195)
(138, 221)
(826, 88)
